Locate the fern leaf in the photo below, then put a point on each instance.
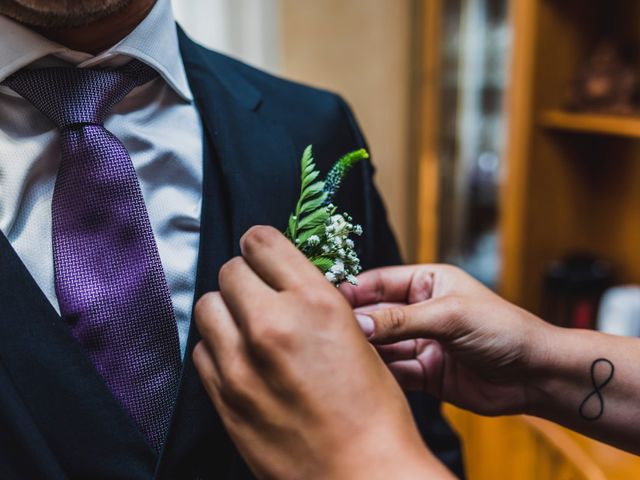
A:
(312, 205)
(307, 162)
(323, 263)
(312, 191)
(290, 233)
(311, 231)
(314, 219)
(309, 178)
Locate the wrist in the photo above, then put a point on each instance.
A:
(406, 458)
(397, 463)
(545, 343)
(559, 369)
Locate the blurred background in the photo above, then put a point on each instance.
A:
(506, 136)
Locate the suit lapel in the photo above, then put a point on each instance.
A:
(77, 415)
(257, 157)
(250, 178)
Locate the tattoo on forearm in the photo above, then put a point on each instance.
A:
(592, 407)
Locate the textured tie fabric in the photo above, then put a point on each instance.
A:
(109, 279)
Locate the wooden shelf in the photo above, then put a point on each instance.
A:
(596, 124)
(578, 189)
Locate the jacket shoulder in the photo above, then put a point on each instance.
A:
(281, 98)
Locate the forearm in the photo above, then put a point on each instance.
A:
(589, 382)
(390, 460)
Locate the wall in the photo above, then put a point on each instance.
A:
(246, 29)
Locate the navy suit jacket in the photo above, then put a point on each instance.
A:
(57, 418)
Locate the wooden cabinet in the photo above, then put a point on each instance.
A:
(571, 183)
(572, 179)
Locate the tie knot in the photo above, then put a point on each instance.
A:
(69, 96)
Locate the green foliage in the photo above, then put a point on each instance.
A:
(316, 229)
(312, 195)
(323, 263)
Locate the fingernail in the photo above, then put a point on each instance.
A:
(366, 324)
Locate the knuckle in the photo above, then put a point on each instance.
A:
(457, 313)
(319, 300)
(203, 309)
(228, 268)
(258, 236)
(456, 306)
(325, 300)
(271, 339)
(199, 355)
(379, 287)
(452, 270)
(395, 319)
(421, 288)
(202, 362)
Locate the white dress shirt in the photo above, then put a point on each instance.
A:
(159, 125)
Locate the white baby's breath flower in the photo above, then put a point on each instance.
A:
(313, 240)
(357, 230)
(338, 222)
(330, 276)
(337, 268)
(352, 279)
(349, 243)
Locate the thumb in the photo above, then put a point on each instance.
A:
(438, 319)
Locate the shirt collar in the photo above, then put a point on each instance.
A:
(154, 41)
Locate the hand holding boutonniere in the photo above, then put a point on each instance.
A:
(317, 229)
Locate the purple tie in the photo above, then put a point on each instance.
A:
(109, 280)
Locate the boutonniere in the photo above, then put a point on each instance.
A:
(317, 229)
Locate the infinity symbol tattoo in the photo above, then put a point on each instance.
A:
(597, 390)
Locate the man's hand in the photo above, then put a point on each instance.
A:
(455, 339)
(300, 390)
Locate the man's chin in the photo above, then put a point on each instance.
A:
(59, 14)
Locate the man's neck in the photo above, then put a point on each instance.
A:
(100, 35)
